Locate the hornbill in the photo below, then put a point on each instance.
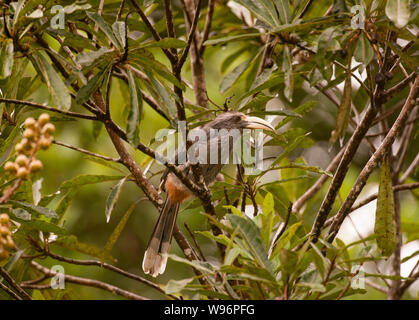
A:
(155, 257)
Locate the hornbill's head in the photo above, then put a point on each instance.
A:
(238, 120)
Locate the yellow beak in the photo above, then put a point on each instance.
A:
(257, 123)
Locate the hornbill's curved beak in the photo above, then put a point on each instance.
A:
(257, 123)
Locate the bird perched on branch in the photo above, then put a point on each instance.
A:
(155, 257)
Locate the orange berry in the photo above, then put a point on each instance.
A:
(22, 173)
(30, 123)
(29, 133)
(43, 119)
(36, 165)
(4, 218)
(22, 160)
(11, 167)
(4, 231)
(44, 143)
(48, 129)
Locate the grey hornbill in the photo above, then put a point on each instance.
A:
(155, 257)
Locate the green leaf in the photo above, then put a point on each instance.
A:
(176, 286)
(7, 146)
(398, 12)
(121, 225)
(324, 43)
(36, 191)
(363, 51)
(164, 43)
(65, 202)
(86, 59)
(285, 238)
(118, 28)
(133, 121)
(229, 39)
(250, 233)
(45, 226)
(411, 61)
(304, 25)
(263, 10)
(113, 198)
(105, 28)
(385, 215)
(205, 267)
(72, 243)
(6, 58)
(344, 111)
(275, 79)
(288, 264)
(267, 218)
(289, 75)
(283, 8)
(56, 86)
(33, 209)
(257, 103)
(233, 76)
(302, 166)
(87, 179)
(91, 86)
(291, 147)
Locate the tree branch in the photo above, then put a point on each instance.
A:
(373, 161)
(86, 282)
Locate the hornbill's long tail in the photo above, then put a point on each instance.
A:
(155, 257)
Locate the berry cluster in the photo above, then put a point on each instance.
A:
(6, 241)
(37, 135)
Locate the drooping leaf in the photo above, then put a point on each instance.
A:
(36, 191)
(263, 10)
(285, 238)
(71, 242)
(91, 58)
(113, 198)
(119, 228)
(363, 51)
(135, 110)
(6, 58)
(267, 218)
(289, 75)
(344, 111)
(65, 202)
(91, 86)
(250, 233)
(105, 28)
(176, 286)
(283, 8)
(385, 215)
(33, 209)
(233, 76)
(55, 84)
(7, 146)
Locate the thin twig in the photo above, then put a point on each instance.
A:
(86, 152)
(22, 293)
(43, 107)
(88, 282)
